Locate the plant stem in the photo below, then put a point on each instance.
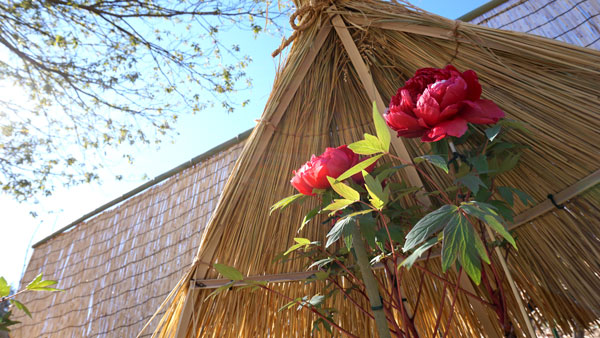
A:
(370, 284)
(453, 303)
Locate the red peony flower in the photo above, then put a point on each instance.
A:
(333, 162)
(436, 103)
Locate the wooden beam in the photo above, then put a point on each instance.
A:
(560, 197)
(434, 32)
(267, 134)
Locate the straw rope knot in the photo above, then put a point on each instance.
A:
(455, 34)
(306, 16)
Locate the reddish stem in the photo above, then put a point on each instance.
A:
(453, 303)
(440, 311)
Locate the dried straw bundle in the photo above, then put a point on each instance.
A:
(550, 85)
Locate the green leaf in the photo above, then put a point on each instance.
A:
(358, 167)
(41, 285)
(520, 125)
(378, 197)
(21, 307)
(368, 146)
(461, 242)
(228, 271)
(523, 196)
(300, 242)
(473, 182)
(479, 163)
(4, 287)
(503, 209)
(339, 229)
(507, 195)
(220, 289)
(492, 132)
(436, 160)
(309, 216)
(383, 133)
(285, 202)
(338, 204)
(344, 190)
(485, 213)
(413, 257)
(290, 304)
(509, 162)
(367, 228)
(428, 225)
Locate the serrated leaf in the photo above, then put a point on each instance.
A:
(472, 182)
(428, 225)
(285, 202)
(366, 147)
(492, 132)
(338, 204)
(344, 190)
(228, 272)
(358, 167)
(4, 287)
(436, 160)
(413, 257)
(21, 307)
(339, 229)
(383, 133)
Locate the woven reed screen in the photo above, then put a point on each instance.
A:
(118, 267)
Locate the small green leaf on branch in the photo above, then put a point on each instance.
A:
(285, 202)
(436, 160)
(228, 272)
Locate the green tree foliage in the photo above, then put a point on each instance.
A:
(104, 73)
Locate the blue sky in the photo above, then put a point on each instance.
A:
(197, 134)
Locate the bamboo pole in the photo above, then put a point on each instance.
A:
(370, 283)
(528, 330)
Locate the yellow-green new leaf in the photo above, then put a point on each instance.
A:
(338, 204)
(359, 167)
(383, 133)
(344, 190)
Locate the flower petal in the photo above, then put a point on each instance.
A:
(301, 185)
(456, 127)
(428, 108)
(481, 112)
(473, 86)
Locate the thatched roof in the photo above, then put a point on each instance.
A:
(117, 267)
(322, 97)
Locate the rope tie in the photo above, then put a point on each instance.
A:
(306, 15)
(455, 34)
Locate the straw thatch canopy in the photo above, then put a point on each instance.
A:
(119, 262)
(356, 52)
